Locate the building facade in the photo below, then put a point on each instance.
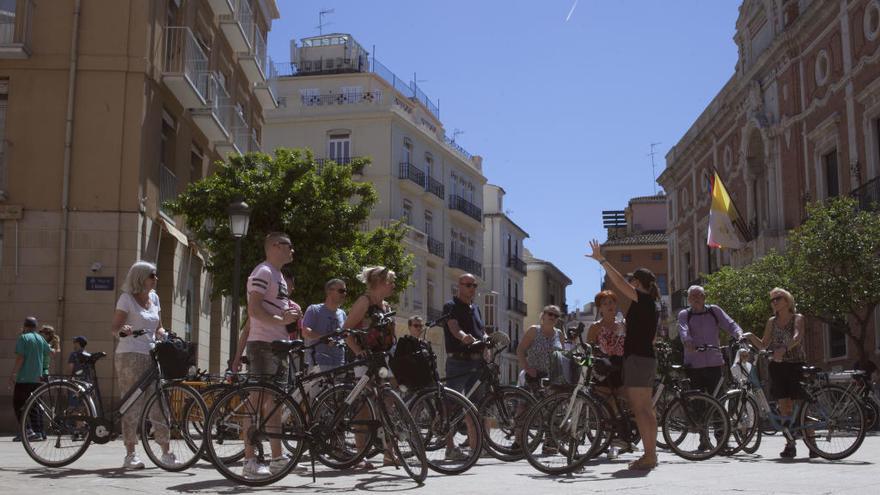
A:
(505, 271)
(798, 121)
(107, 109)
(341, 103)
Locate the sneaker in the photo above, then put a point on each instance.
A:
(16, 438)
(277, 464)
(549, 450)
(169, 459)
(486, 454)
(132, 461)
(253, 469)
(455, 454)
(36, 437)
(813, 455)
(789, 451)
(613, 452)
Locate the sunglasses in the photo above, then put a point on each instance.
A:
(154, 276)
(552, 315)
(470, 286)
(341, 291)
(776, 299)
(418, 326)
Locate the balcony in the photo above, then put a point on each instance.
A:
(413, 174)
(267, 91)
(435, 187)
(185, 68)
(15, 29)
(238, 26)
(517, 306)
(222, 7)
(868, 195)
(167, 187)
(235, 124)
(436, 247)
(517, 264)
(462, 262)
(348, 98)
(457, 203)
(210, 119)
(254, 62)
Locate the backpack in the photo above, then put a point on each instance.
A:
(411, 363)
(709, 308)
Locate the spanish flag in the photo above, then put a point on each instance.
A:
(725, 223)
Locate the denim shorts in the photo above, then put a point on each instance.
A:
(461, 374)
(265, 363)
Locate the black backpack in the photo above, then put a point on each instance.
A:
(411, 363)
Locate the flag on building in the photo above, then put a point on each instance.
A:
(724, 220)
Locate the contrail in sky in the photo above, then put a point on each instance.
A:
(571, 11)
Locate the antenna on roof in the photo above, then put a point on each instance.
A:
(653, 167)
(321, 22)
(455, 133)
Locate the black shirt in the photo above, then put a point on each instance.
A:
(469, 320)
(641, 326)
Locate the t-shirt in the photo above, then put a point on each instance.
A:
(469, 320)
(74, 359)
(139, 318)
(641, 326)
(323, 320)
(268, 281)
(33, 348)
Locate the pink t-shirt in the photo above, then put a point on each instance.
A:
(268, 281)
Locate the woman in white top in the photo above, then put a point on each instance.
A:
(137, 309)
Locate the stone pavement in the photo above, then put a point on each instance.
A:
(98, 472)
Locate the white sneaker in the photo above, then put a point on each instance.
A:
(253, 469)
(132, 461)
(277, 464)
(613, 452)
(169, 459)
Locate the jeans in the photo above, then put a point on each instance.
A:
(461, 374)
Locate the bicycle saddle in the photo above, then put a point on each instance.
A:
(286, 346)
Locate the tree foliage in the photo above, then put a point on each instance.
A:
(319, 206)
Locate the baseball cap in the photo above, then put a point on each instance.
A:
(30, 322)
(81, 339)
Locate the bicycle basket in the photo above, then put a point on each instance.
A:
(175, 357)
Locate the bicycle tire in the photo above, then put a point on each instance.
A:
(504, 413)
(744, 417)
(833, 408)
(548, 446)
(700, 413)
(180, 411)
(48, 408)
(339, 450)
(237, 407)
(402, 431)
(438, 414)
(871, 412)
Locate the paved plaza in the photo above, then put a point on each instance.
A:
(98, 472)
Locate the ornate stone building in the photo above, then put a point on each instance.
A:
(798, 121)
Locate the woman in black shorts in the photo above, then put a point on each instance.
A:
(639, 364)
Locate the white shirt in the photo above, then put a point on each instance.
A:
(139, 318)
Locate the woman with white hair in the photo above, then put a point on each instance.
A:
(137, 309)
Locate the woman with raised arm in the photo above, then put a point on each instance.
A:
(639, 364)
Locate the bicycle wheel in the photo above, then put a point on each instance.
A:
(237, 421)
(503, 415)
(560, 432)
(51, 410)
(401, 432)
(339, 446)
(172, 426)
(834, 423)
(743, 414)
(440, 416)
(871, 412)
(695, 426)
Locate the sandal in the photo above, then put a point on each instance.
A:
(643, 463)
(386, 462)
(364, 466)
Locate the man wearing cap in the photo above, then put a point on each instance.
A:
(75, 360)
(30, 352)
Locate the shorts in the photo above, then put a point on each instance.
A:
(785, 380)
(263, 362)
(614, 377)
(639, 371)
(462, 374)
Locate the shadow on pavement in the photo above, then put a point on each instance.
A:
(378, 482)
(59, 473)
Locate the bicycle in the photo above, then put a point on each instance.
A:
(71, 411)
(237, 418)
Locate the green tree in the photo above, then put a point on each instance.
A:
(835, 267)
(319, 205)
(743, 292)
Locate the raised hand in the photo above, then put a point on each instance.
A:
(596, 253)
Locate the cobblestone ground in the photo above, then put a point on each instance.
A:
(98, 472)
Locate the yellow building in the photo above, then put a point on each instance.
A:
(545, 284)
(108, 108)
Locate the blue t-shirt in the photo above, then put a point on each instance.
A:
(323, 320)
(75, 360)
(33, 347)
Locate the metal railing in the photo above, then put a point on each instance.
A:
(517, 264)
(341, 98)
(435, 247)
(260, 53)
(462, 262)
(456, 202)
(183, 55)
(868, 195)
(254, 143)
(218, 97)
(167, 187)
(16, 25)
(411, 172)
(515, 305)
(243, 14)
(435, 187)
(456, 148)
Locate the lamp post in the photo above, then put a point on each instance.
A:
(239, 218)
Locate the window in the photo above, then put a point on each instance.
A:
(829, 164)
(407, 151)
(4, 96)
(489, 311)
(663, 284)
(626, 258)
(836, 344)
(657, 256)
(310, 96)
(407, 214)
(172, 12)
(352, 94)
(429, 223)
(429, 165)
(196, 161)
(339, 148)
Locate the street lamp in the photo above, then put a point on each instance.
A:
(239, 218)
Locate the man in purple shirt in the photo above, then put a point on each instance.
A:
(700, 324)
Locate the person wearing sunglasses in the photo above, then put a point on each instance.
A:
(783, 335)
(137, 309)
(320, 320)
(416, 326)
(537, 345)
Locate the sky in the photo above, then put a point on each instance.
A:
(561, 98)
